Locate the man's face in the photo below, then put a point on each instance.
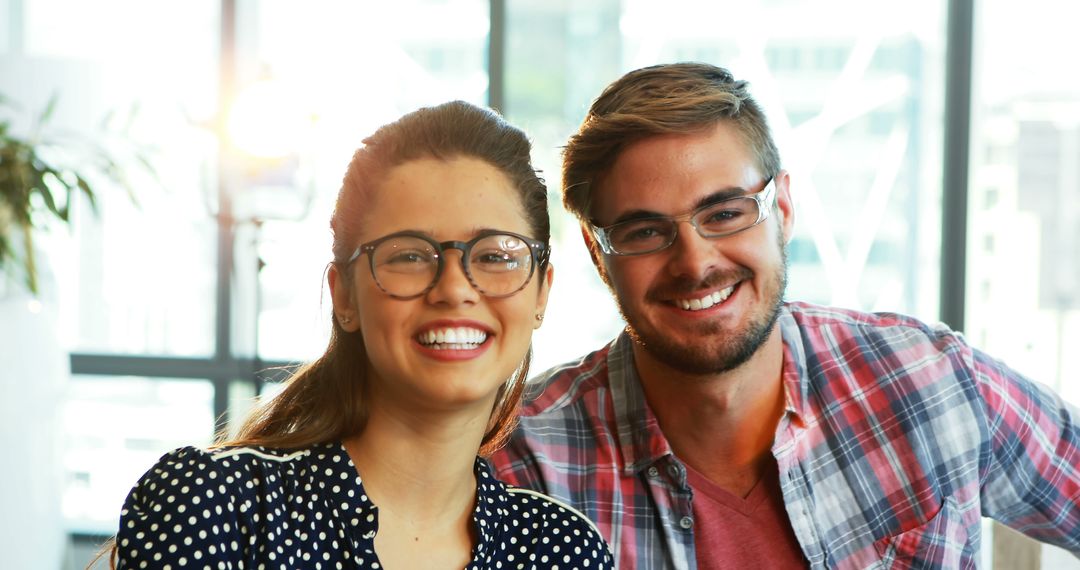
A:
(701, 306)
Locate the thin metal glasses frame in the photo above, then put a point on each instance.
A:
(764, 199)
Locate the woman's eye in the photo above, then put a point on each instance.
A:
(407, 257)
(497, 259)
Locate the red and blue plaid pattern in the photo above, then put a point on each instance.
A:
(898, 438)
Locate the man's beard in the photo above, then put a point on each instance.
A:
(739, 345)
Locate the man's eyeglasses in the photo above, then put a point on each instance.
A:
(408, 264)
(716, 220)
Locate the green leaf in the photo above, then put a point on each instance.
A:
(58, 177)
(50, 107)
(87, 191)
(46, 194)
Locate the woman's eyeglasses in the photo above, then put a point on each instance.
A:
(408, 264)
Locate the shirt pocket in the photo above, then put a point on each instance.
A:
(942, 542)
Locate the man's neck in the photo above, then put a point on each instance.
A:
(722, 425)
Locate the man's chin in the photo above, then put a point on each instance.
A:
(696, 360)
(706, 351)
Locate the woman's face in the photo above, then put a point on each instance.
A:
(446, 200)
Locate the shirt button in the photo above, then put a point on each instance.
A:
(654, 472)
(686, 522)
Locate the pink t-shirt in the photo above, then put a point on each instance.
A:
(733, 532)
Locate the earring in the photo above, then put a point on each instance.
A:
(345, 320)
(539, 317)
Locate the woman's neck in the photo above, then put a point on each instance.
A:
(419, 472)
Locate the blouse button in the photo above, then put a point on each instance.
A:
(686, 522)
(654, 472)
(673, 470)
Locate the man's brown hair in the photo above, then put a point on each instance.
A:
(661, 99)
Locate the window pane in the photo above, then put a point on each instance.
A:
(1024, 230)
(1024, 242)
(135, 279)
(855, 106)
(351, 67)
(115, 429)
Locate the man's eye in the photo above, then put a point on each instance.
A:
(638, 232)
(642, 233)
(723, 216)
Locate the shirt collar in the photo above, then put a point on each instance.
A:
(640, 439)
(335, 474)
(795, 368)
(491, 509)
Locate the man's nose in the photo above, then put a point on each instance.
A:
(692, 256)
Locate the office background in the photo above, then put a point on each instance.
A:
(934, 148)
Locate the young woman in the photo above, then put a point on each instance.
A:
(368, 457)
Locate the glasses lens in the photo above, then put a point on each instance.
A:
(500, 264)
(404, 265)
(727, 217)
(641, 236)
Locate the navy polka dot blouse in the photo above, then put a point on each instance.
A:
(255, 507)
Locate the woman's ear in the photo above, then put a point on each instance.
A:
(341, 294)
(542, 295)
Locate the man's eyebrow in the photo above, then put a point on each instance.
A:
(718, 196)
(637, 215)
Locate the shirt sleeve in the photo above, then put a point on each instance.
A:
(180, 513)
(1032, 478)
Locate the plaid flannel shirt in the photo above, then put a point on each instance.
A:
(897, 439)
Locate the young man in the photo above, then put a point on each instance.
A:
(728, 428)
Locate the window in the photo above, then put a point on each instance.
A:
(171, 306)
(1025, 202)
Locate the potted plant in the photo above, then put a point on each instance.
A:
(41, 172)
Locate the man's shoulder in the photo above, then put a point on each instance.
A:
(567, 384)
(852, 351)
(814, 320)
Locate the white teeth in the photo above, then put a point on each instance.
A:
(706, 301)
(452, 338)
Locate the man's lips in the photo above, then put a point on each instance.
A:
(700, 294)
(700, 303)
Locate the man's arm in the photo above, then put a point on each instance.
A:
(1031, 477)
